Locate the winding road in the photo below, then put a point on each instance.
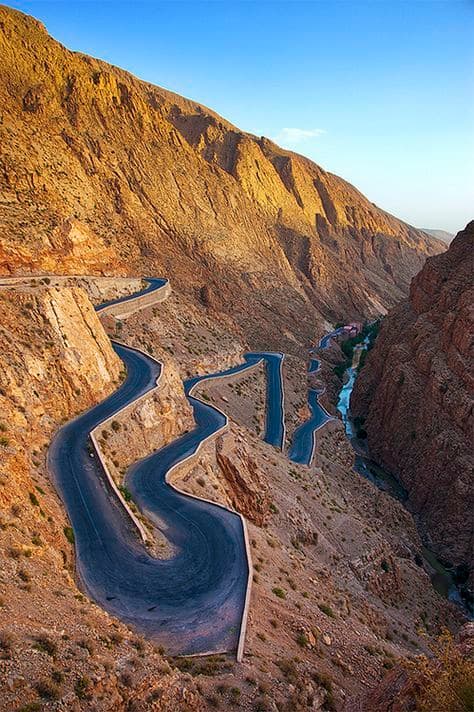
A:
(304, 438)
(192, 603)
(195, 602)
(154, 284)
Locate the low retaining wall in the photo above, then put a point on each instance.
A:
(283, 440)
(121, 310)
(103, 423)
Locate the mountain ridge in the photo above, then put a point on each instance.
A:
(105, 173)
(443, 235)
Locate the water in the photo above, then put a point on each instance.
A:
(343, 404)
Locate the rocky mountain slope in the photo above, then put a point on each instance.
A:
(416, 393)
(440, 234)
(103, 173)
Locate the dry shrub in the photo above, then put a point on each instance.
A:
(444, 681)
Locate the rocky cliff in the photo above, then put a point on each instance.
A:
(103, 173)
(416, 393)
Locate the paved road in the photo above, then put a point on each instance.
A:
(275, 399)
(304, 438)
(194, 601)
(313, 365)
(154, 283)
(324, 343)
(275, 418)
(190, 603)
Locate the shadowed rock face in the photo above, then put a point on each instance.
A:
(416, 392)
(104, 173)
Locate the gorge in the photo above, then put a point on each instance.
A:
(419, 384)
(181, 526)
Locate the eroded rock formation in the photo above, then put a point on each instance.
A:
(416, 393)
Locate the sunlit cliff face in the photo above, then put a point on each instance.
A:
(107, 174)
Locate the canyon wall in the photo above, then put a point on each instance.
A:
(416, 393)
(102, 173)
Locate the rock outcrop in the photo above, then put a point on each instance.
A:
(416, 393)
(106, 174)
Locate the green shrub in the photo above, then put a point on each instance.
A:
(289, 670)
(340, 369)
(327, 610)
(48, 690)
(302, 640)
(235, 692)
(46, 645)
(279, 592)
(57, 676)
(127, 495)
(87, 645)
(24, 575)
(81, 686)
(6, 642)
(69, 534)
(325, 682)
(445, 680)
(34, 706)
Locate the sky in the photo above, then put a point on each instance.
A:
(380, 93)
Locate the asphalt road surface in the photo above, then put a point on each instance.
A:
(275, 416)
(304, 437)
(302, 447)
(154, 283)
(191, 603)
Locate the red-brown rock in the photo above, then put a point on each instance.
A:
(416, 392)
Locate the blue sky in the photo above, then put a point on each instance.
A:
(381, 92)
